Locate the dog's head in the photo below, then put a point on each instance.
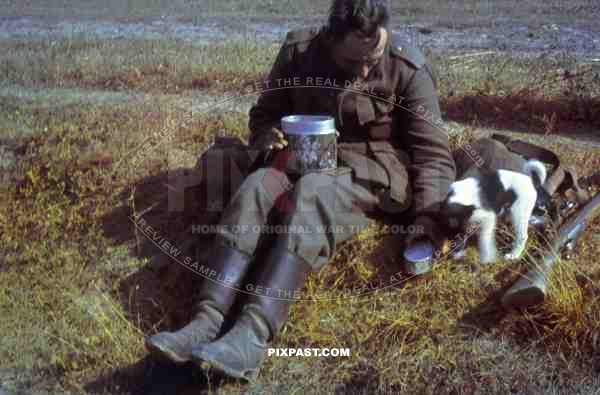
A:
(457, 215)
(461, 202)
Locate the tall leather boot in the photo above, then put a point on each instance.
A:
(212, 301)
(241, 351)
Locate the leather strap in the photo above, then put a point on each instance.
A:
(592, 179)
(562, 177)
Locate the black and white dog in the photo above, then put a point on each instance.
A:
(483, 195)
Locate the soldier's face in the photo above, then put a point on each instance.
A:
(357, 54)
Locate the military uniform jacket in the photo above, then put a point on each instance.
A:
(392, 116)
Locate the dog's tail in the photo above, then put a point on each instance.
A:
(537, 171)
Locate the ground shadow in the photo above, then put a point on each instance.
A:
(149, 376)
(158, 296)
(489, 313)
(152, 376)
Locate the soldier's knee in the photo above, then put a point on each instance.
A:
(311, 183)
(253, 185)
(257, 175)
(266, 182)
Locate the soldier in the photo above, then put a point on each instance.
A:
(395, 155)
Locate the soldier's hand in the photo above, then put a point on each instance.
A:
(280, 141)
(274, 139)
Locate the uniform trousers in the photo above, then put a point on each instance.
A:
(315, 211)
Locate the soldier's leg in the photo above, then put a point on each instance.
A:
(327, 209)
(330, 209)
(250, 206)
(230, 257)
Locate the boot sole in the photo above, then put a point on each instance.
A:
(165, 353)
(199, 359)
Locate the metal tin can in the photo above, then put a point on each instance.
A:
(418, 258)
(312, 142)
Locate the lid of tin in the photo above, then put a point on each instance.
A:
(308, 124)
(419, 252)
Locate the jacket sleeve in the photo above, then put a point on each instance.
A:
(274, 102)
(432, 167)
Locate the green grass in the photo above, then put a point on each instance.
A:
(174, 66)
(546, 94)
(150, 65)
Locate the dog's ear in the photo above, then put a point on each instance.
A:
(457, 215)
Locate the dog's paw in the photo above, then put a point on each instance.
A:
(458, 255)
(487, 259)
(511, 256)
